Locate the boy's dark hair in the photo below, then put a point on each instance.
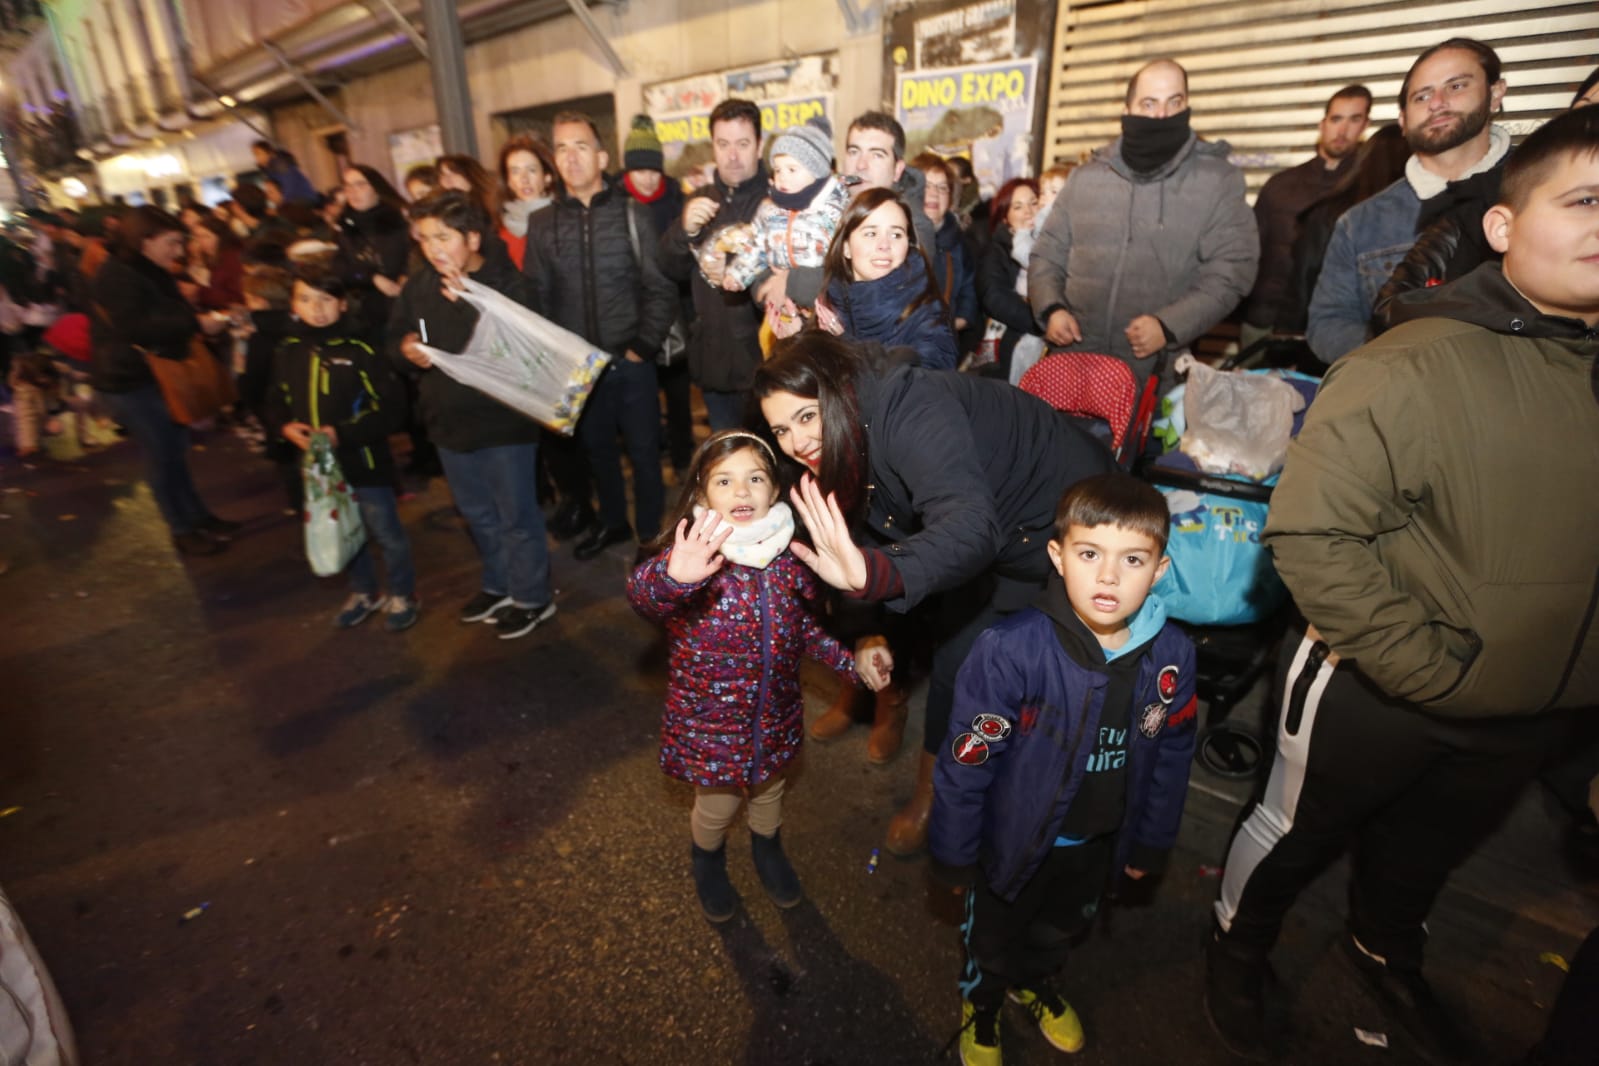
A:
(1569, 133)
(1115, 499)
(454, 209)
(322, 280)
(736, 110)
(883, 122)
(264, 146)
(717, 446)
(1355, 91)
(272, 284)
(1485, 56)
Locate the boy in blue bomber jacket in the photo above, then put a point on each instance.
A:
(326, 379)
(1067, 758)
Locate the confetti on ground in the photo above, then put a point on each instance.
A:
(194, 912)
(66, 518)
(1555, 960)
(9, 811)
(1210, 871)
(1371, 1039)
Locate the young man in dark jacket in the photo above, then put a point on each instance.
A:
(489, 451)
(1434, 523)
(325, 379)
(724, 346)
(593, 260)
(1066, 760)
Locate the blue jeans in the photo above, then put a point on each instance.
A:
(165, 445)
(495, 492)
(380, 513)
(626, 403)
(725, 410)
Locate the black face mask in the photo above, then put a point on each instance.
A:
(1149, 143)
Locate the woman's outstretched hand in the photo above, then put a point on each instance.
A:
(698, 553)
(835, 558)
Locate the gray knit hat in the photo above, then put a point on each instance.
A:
(810, 145)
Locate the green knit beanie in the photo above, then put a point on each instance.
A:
(643, 148)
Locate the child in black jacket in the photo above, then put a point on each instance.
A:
(327, 380)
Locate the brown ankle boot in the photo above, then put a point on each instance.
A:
(888, 725)
(837, 719)
(907, 830)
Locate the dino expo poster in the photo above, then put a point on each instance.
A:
(788, 91)
(964, 79)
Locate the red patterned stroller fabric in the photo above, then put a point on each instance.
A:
(1091, 385)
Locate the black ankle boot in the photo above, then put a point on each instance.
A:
(711, 883)
(1235, 997)
(772, 866)
(1408, 1000)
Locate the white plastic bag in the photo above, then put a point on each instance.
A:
(1237, 423)
(524, 361)
(333, 528)
(34, 1029)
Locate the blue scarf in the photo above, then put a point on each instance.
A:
(870, 310)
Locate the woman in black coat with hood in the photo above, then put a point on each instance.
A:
(374, 246)
(139, 314)
(1013, 208)
(919, 483)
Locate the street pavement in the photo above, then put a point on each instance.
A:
(439, 847)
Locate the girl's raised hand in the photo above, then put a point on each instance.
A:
(835, 558)
(876, 667)
(697, 554)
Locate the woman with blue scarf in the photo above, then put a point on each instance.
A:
(876, 290)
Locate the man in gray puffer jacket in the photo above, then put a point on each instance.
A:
(1151, 242)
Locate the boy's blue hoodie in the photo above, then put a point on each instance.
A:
(1000, 809)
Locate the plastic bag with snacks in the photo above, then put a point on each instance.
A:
(333, 528)
(524, 361)
(1237, 422)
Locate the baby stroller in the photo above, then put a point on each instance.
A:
(1220, 587)
(1103, 391)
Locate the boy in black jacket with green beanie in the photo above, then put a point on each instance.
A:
(327, 380)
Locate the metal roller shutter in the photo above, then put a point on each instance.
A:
(1260, 71)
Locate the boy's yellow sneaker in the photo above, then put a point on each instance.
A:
(979, 1036)
(1055, 1017)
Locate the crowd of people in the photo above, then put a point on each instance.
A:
(855, 330)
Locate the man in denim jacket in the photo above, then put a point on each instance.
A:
(1444, 106)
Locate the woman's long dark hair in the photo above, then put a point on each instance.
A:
(380, 185)
(141, 223)
(485, 189)
(536, 148)
(816, 365)
(836, 264)
(714, 449)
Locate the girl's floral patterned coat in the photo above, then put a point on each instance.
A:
(734, 714)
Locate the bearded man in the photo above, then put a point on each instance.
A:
(1444, 107)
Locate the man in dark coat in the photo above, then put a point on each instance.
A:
(724, 345)
(1289, 192)
(593, 259)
